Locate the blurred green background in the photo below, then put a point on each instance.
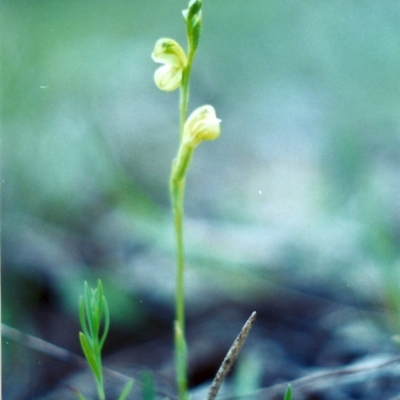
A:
(302, 186)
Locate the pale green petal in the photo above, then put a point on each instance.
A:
(168, 51)
(202, 124)
(168, 78)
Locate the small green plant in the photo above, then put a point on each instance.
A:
(202, 124)
(94, 315)
(288, 393)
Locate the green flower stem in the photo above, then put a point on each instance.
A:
(178, 178)
(177, 190)
(184, 90)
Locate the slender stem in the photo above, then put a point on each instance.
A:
(100, 381)
(184, 91)
(184, 100)
(100, 391)
(177, 188)
(178, 194)
(177, 191)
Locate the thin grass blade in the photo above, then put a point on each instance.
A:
(127, 389)
(288, 394)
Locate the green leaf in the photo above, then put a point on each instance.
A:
(90, 357)
(82, 316)
(106, 322)
(148, 392)
(193, 20)
(127, 389)
(193, 9)
(89, 309)
(288, 394)
(98, 301)
(80, 396)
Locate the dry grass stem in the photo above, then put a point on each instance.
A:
(230, 357)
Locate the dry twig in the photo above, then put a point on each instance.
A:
(230, 357)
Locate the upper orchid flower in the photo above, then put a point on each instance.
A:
(170, 53)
